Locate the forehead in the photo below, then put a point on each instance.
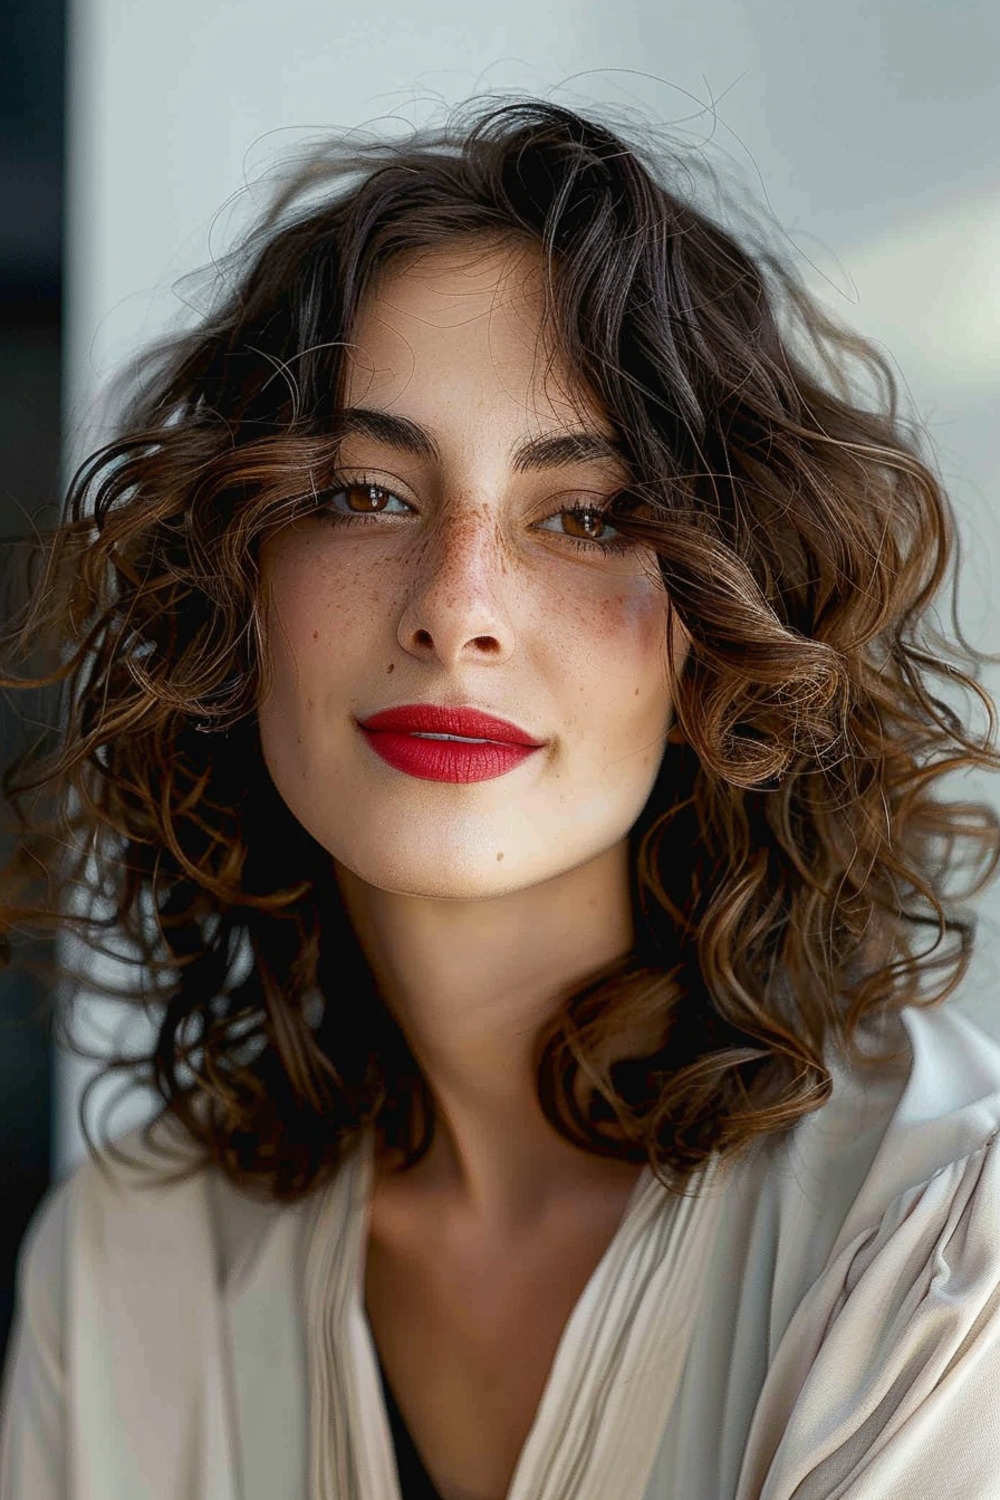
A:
(465, 323)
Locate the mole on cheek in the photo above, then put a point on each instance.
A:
(391, 668)
(315, 635)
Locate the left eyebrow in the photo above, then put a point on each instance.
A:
(559, 450)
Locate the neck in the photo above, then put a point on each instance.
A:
(472, 984)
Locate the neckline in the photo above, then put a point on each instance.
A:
(641, 1193)
(613, 1380)
(583, 1326)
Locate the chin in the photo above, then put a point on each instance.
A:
(444, 879)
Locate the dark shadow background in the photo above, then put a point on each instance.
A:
(32, 67)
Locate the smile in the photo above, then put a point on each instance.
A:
(445, 757)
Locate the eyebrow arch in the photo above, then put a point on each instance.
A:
(556, 451)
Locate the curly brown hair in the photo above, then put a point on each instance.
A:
(785, 852)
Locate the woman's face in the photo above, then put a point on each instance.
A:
(445, 569)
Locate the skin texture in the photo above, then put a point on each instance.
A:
(475, 903)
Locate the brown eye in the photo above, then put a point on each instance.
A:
(358, 501)
(586, 524)
(362, 498)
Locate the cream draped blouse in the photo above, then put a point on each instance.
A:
(820, 1322)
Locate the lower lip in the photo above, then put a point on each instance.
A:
(445, 760)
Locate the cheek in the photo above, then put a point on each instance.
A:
(608, 648)
(631, 639)
(318, 615)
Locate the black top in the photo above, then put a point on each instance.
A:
(414, 1481)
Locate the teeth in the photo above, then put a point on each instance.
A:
(462, 738)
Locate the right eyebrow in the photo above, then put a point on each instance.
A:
(557, 450)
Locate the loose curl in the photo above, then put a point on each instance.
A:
(786, 850)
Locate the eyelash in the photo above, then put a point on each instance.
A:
(339, 484)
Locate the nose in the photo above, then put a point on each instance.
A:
(457, 600)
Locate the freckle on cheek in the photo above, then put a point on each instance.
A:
(499, 856)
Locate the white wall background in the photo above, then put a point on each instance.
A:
(868, 126)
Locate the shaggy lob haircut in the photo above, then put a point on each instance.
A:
(786, 856)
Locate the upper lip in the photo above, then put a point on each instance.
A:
(434, 718)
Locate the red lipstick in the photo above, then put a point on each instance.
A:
(482, 747)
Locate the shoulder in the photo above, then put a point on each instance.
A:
(892, 1358)
(947, 1113)
(73, 1286)
(88, 1193)
(41, 1256)
(110, 1210)
(933, 1148)
(132, 1214)
(40, 1287)
(886, 1128)
(920, 1251)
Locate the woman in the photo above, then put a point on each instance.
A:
(495, 714)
